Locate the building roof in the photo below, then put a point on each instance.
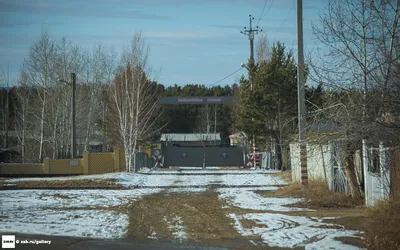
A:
(191, 137)
(238, 135)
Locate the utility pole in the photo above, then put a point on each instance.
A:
(250, 33)
(7, 104)
(7, 113)
(301, 95)
(215, 124)
(5, 89)
(73, 113)
(208, 121)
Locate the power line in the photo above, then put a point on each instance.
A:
(262, 12)
(266, 13)
(225, 77)
(284, 21)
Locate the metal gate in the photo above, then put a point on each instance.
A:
(210, 156)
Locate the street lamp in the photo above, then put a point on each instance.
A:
(73, 114)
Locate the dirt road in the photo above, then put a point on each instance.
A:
(230, 210)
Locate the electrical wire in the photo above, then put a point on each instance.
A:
(262, 12)
(284, 21)
(266, 13)
(225, 77)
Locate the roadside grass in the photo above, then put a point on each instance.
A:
(67, 184)
(284, 175)
(316, 196)
(383, 230)
(343, 209)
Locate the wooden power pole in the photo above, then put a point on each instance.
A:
(250, 33)
(301, 95)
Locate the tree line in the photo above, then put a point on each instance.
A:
(117, 101)
(352, 86)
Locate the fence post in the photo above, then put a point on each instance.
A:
(384, 171)
(365, 166)
(323, 163)
(331, 168)
(85, 162)
(116, 160)
(46, 165)
(293, 154)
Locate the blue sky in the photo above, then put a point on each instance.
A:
(192, 41)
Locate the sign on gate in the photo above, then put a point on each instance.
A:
(199, 100)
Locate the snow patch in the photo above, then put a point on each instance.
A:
(187, 190)
(26, 199)
(163, 179)
(279, 230)
(247, 199)
(153, 234)
(176, 227)
(75, 223)
(50, 212)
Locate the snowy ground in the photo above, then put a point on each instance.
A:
(87, 212)
(180, 179)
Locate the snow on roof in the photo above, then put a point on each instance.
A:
(191, 137)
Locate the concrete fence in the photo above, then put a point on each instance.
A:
(91, 163)
(319, 162)
(324, 162)
(377, 168)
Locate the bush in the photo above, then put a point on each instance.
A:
(383, 230)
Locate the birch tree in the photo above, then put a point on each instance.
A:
(21, 128)
(69, 59)
(135, 98)
(37, 72)
(98, 72)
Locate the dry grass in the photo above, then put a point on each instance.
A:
(284, 175)
(317, 195)
(246, 223)
(68, 184)
(383, 231)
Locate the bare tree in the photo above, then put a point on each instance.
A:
(356, 67)
(263, 52)
(205, 122)
(37, 72)
(22, 120)
(135, 98)
(69, 59)
(97, 73)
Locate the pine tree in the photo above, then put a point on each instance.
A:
(269, 109)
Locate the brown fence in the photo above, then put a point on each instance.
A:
(21, 168)
(91, 163)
